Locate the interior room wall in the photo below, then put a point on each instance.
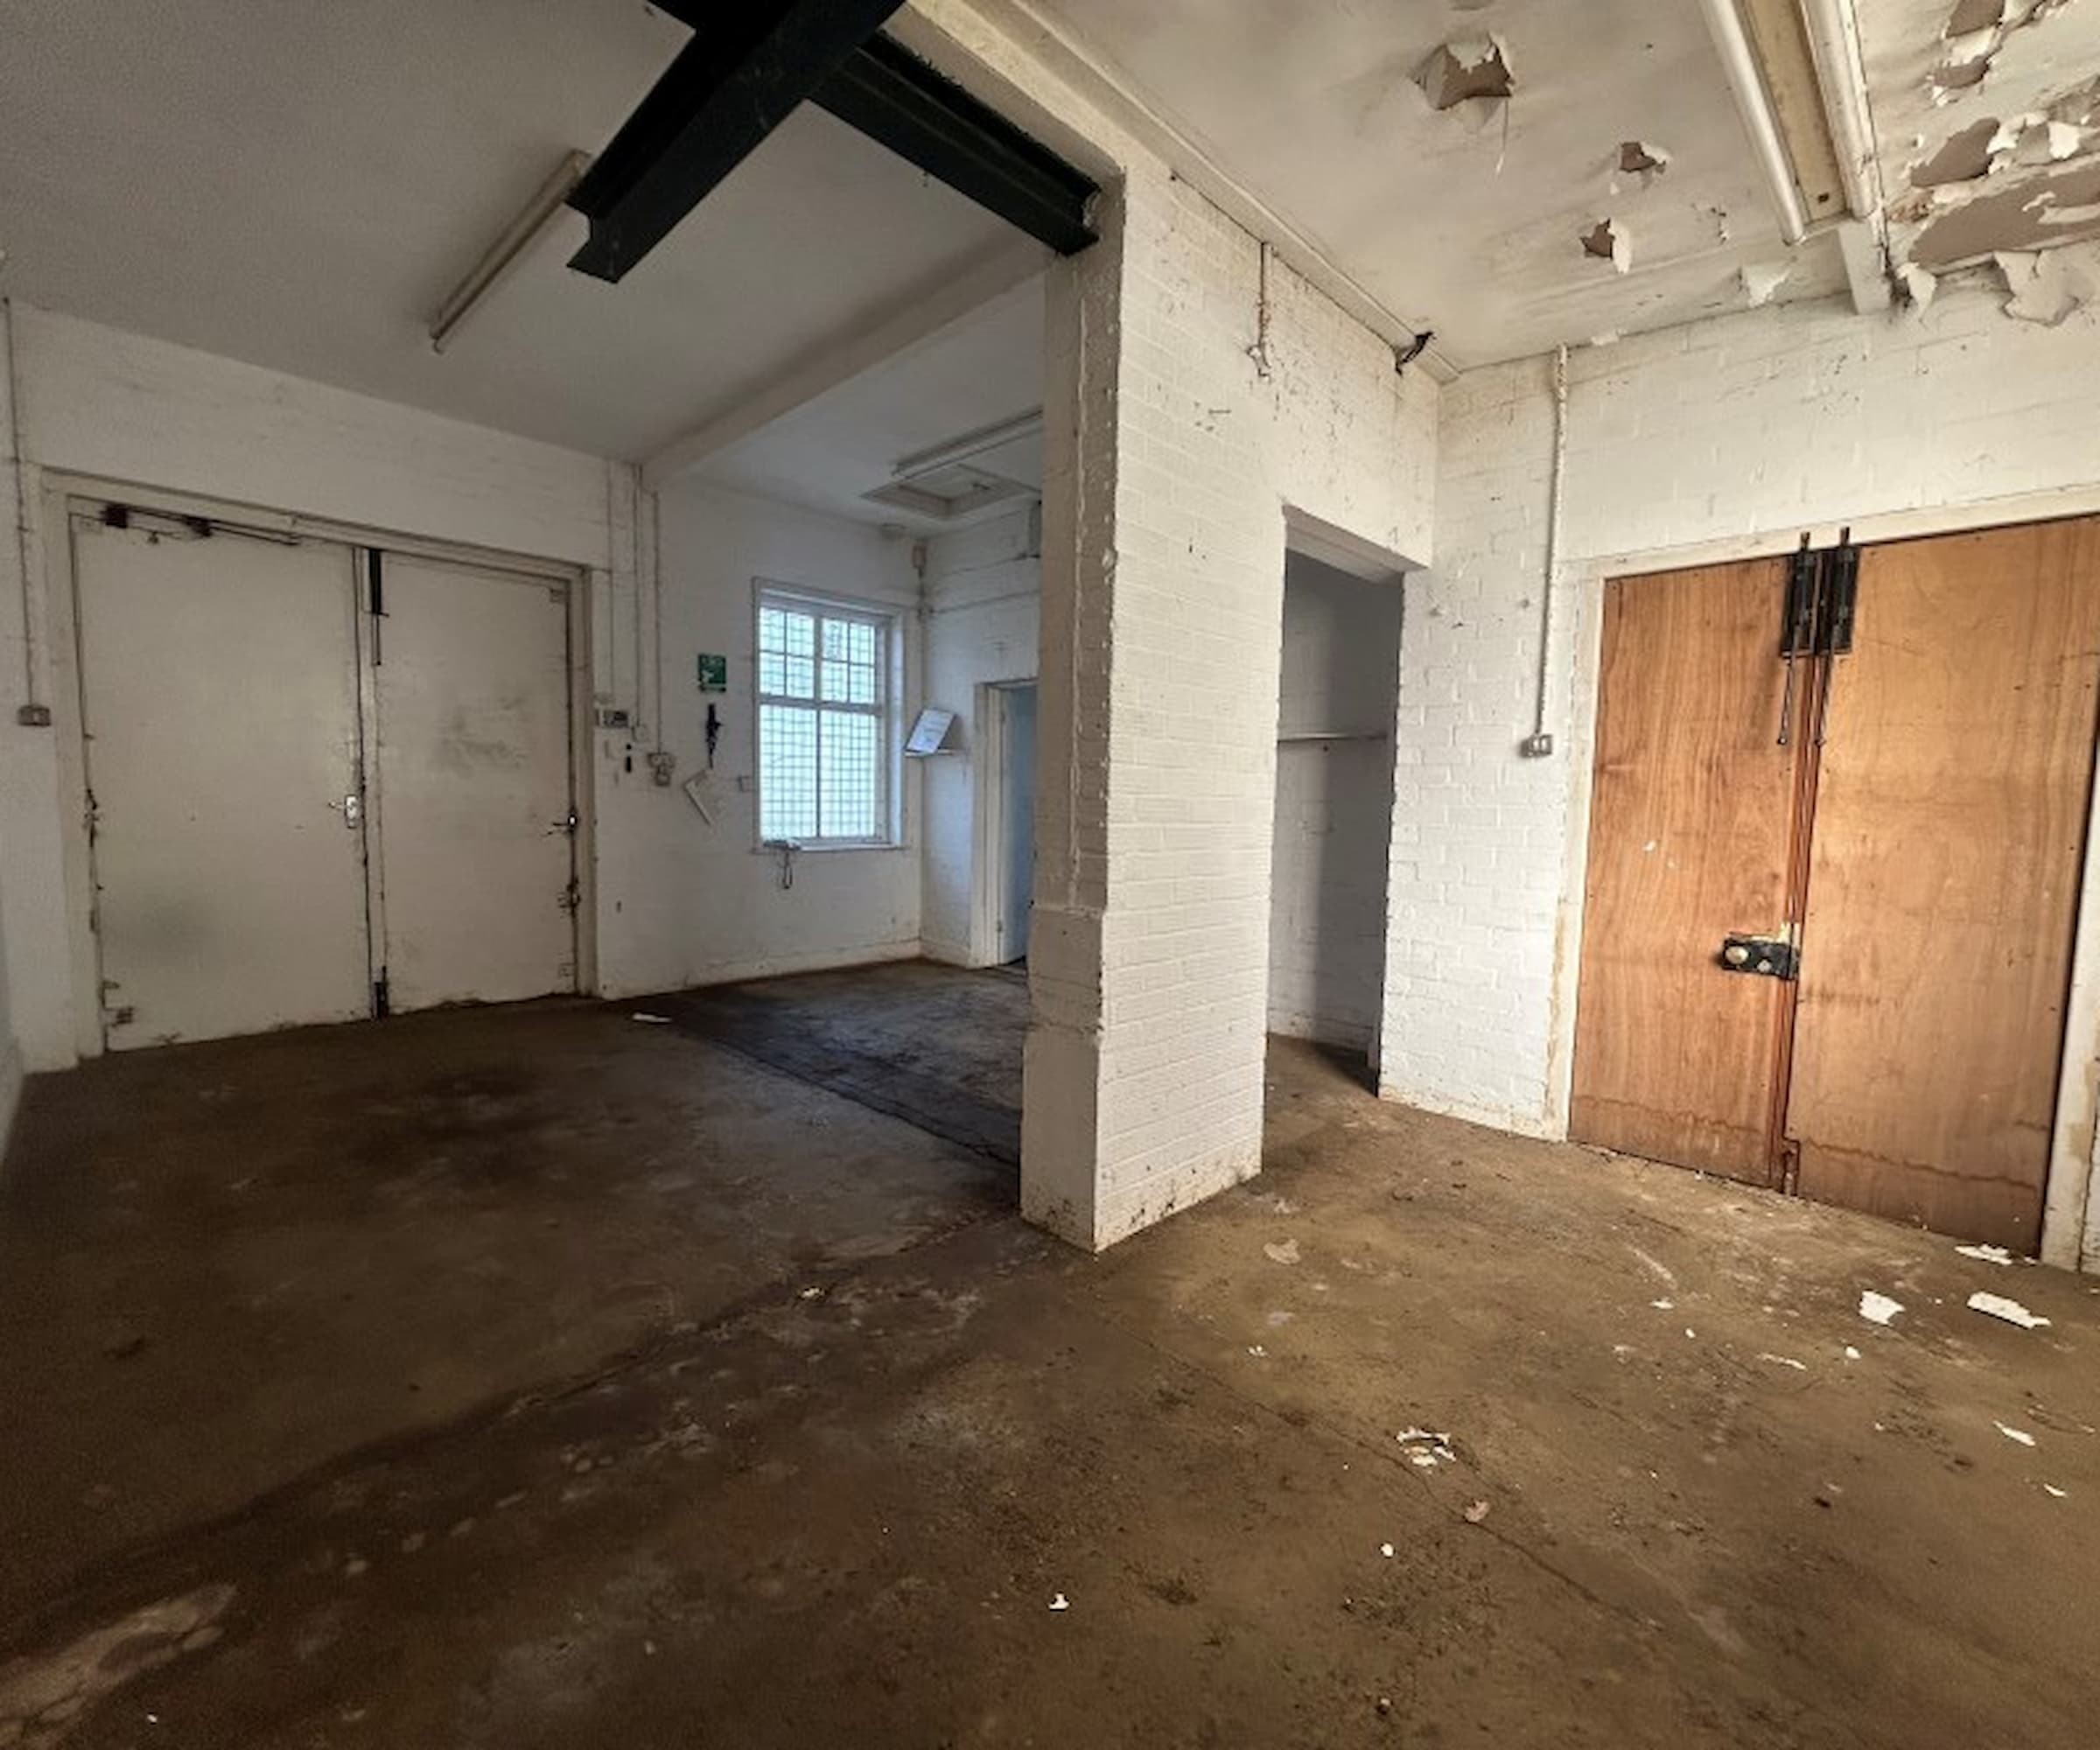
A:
(1333, 800)
(115, 407)
(683, 901)
(1197, 437)
(1716, 440)
(982, 601)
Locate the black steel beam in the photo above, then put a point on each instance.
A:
(747, 67)
(926, 119)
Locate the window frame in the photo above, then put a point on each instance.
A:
(889, 687)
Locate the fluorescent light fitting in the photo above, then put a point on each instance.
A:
(501, 256)
(970, 444)
(1738, 62)
(1841, 70)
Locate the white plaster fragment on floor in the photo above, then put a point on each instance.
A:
(1877, 1308)
(2018, 1434)
(1998, 1306)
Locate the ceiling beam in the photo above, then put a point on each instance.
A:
(746, 69)
(914, 320)
(926, 119)
(745, 72)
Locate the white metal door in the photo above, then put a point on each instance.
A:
(473, 895)
(219, 700)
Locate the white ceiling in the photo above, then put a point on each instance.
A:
(1473, 231)
(299, 183)
(979, 371)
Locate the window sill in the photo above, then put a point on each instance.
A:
(836, 848)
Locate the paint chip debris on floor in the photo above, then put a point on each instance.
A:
(715, 1504)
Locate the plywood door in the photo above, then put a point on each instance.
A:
(1690, 837)
(219, 700)
(1949, 834)
(473, 767)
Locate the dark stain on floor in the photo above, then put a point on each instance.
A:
(1397, 1445)
(937, 1047)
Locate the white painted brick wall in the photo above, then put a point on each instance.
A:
(682, 902)
(677, 902)
(1334, 799)
(1708, 441)
(983, 598)
(99, 402)
(1186, 461)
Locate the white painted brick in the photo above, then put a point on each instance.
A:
(1738, 428)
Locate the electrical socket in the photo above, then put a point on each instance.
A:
(33, 717)
(1539, 746)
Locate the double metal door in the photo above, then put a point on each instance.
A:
(322, 781)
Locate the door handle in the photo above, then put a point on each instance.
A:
(350, 809)
(565, 825)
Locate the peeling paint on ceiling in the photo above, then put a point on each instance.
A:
(1468, 218)
(1989, 115)
(2049, 288)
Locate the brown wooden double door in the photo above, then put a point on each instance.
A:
(1918, 839)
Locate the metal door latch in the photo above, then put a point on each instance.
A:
(1763, 957)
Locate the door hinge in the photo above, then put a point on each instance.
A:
(382, 998)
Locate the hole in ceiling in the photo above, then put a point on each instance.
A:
(1464, 72)
(1607, 242)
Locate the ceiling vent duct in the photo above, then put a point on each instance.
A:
(953, 481)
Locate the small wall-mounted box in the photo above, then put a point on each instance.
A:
(932, 733)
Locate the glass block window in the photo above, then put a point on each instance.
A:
(824, 751)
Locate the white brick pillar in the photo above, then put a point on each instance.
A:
(1163, 560)
(1061, 1138)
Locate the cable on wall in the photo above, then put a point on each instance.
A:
(1259, 351)
(1540, 742)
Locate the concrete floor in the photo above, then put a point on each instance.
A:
(541, 1377)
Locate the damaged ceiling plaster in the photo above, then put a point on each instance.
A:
(1607, 241)
(1475, 74)
(1989, 115)
(1453, 160)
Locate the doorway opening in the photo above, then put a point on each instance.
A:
(1337, 694)
(1009, 814)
